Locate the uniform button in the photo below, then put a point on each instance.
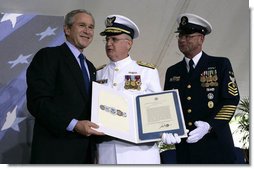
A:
(189, 110)
(189, 86)
(189, 123)
(116, 69)
(188, 98)
(114, 84)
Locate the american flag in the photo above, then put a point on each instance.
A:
(21, 36)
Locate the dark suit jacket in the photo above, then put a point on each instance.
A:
(210, 94)
(55, 95)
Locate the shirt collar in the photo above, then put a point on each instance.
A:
(195, 59)
(121, 63)
(73, 49)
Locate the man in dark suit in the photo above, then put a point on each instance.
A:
(58, 99)
(209, 97)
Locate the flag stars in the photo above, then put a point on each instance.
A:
(12, 17)
(48, 32)
(12, 121)
(20, 60)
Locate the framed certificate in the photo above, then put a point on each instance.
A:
(137, 118)
(158, 113)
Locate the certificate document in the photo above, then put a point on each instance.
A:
(137, 118)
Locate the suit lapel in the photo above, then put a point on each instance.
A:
(92, 71)
(74, 68)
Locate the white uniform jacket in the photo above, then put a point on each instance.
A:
(136, 78)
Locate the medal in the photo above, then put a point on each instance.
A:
(132, 82)
(210, 104)
(113, 110)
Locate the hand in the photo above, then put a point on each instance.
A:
(169, 138)
(85, 127)
(198, 133)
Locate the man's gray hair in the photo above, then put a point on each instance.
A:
(68, 19)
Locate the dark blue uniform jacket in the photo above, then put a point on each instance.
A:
(210, 94)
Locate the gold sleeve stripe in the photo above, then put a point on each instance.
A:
(226, 112)
(228, 109)
(229, 114)
(233, 93)
(229, 106)
(219, 118)
(232, 88)
(222, 115)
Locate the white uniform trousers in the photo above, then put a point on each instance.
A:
(120, 152)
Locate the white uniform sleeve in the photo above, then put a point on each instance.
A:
(154, 82)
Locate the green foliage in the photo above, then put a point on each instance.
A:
(164, 147)
(242, 119)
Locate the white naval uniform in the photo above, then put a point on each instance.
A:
(118, 151)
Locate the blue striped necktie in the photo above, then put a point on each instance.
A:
(85, 73)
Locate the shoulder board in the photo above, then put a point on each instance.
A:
(149, 65)
(101, 67)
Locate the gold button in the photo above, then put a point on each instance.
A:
(114, 84)
(189, 86)
(189, 110)
(189, 123)
(116, 69)
(188, 98)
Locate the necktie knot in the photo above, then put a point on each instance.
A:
(81, 56)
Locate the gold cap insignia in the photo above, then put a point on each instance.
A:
(184, 20)
(110, 21)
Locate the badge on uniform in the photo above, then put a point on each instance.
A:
(210, 104)
(175, 79)
(232, 87)
(132, 82)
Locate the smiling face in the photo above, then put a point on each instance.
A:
(81, 32)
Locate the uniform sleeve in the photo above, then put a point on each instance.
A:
(154, 83)
(228, 97)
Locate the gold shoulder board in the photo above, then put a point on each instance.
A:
(149, 65)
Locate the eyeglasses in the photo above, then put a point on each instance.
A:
(186, 37)
(113, 40)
